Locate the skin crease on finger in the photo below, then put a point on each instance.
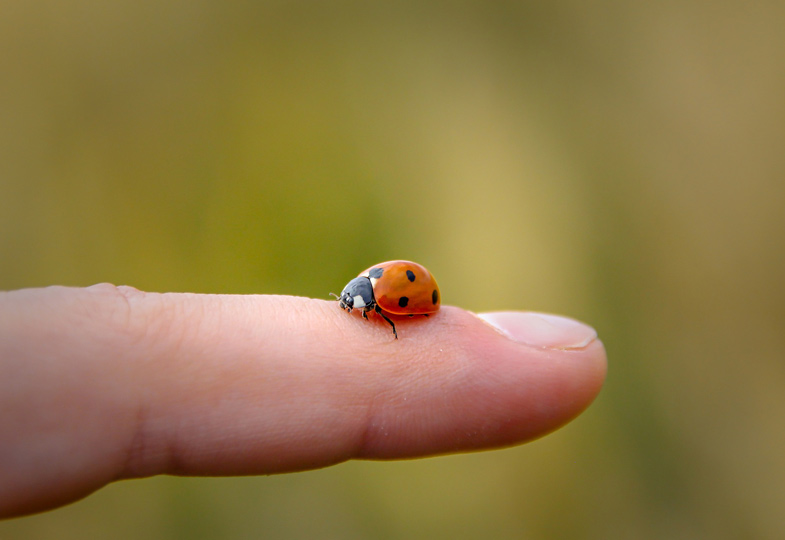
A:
(118, 383)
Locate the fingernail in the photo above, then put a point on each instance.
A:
(541, 329)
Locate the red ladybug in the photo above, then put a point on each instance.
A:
(394, 287)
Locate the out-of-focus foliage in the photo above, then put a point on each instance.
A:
(623, 163)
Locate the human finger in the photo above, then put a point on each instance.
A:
(110, 382)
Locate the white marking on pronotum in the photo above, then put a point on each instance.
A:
(359, 302)
(373, 281)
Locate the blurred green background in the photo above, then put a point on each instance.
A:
(622, 163)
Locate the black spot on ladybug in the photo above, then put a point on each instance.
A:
(403, 301)
(435, 297)
(375, 273)
(410, 275)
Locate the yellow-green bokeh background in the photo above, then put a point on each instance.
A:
(620, 162)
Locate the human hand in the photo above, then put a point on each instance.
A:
(106, 383)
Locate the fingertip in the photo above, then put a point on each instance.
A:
(576, 352)
(566, 356)
(469, 385)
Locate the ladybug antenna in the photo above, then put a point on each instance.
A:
(336, 296)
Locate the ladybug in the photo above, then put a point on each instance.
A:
(394, 287)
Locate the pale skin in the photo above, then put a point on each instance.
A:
(106, 383)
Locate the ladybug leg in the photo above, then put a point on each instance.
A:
(386, 318)
(365, 315)
(425, 314)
